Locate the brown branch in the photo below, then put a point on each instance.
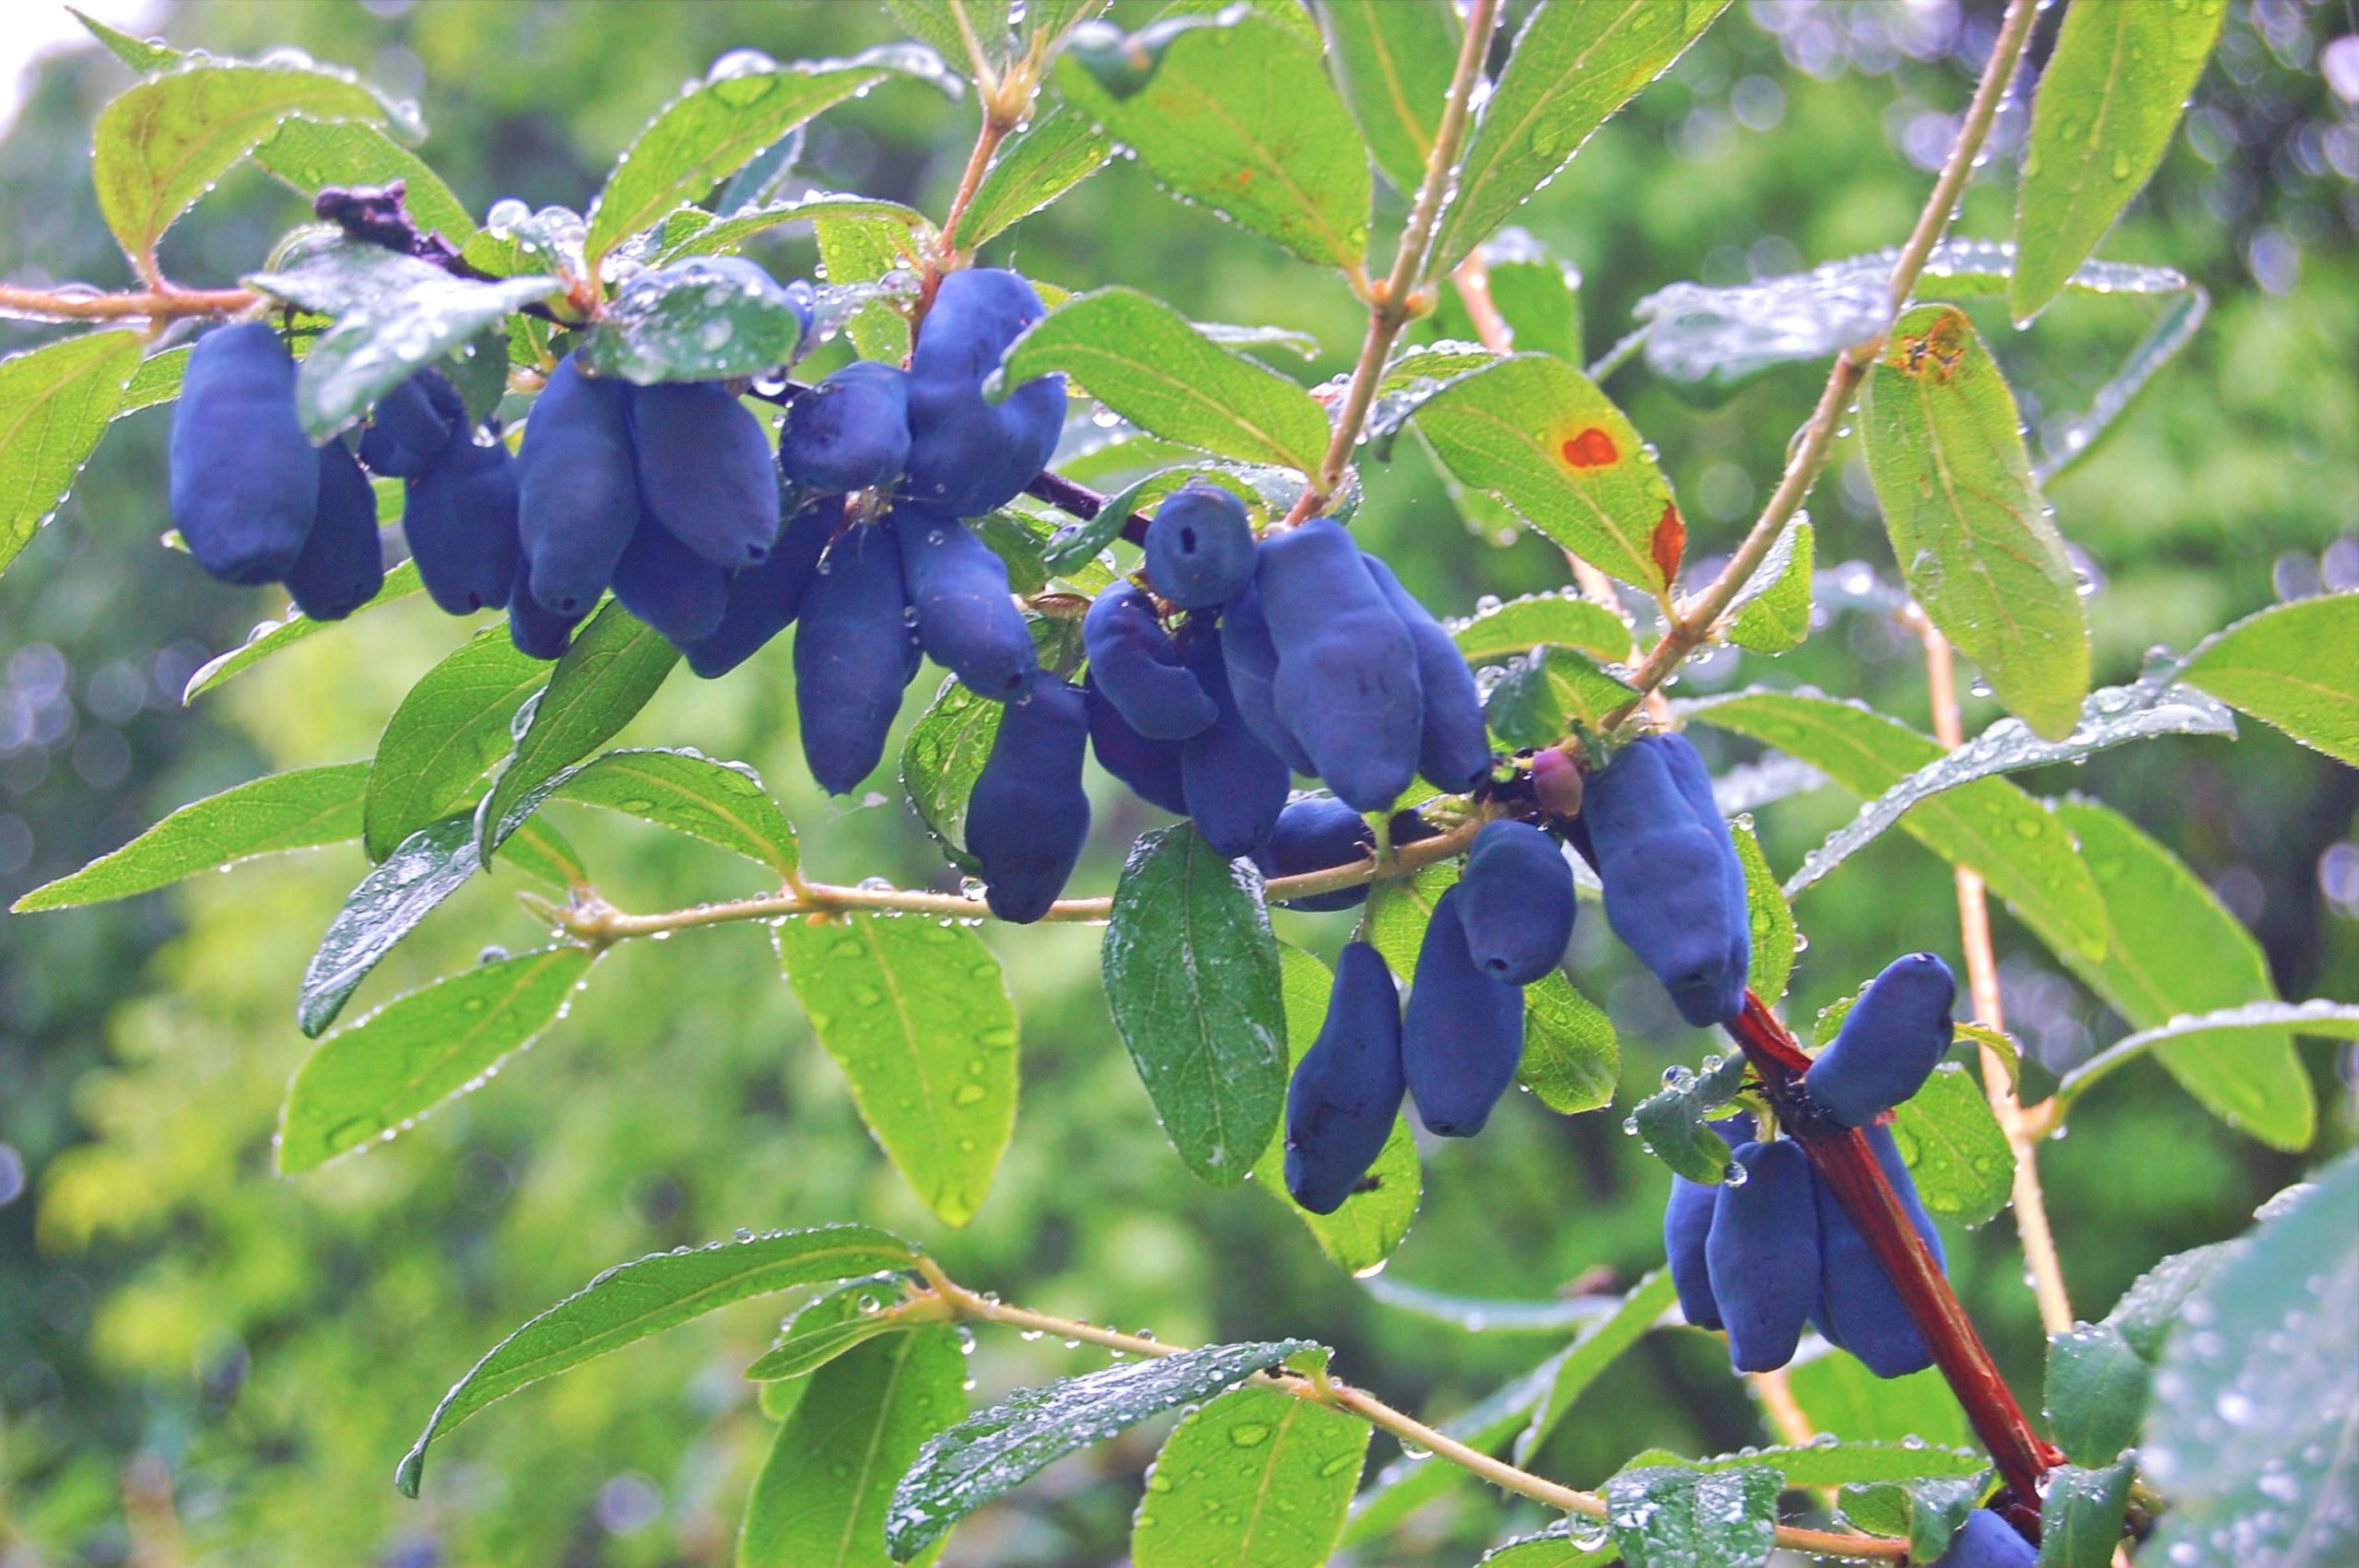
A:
(164, 303)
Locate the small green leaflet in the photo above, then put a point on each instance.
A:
(143, 55)
(2096, 1392)
(1544, 694)
(301, 809)
(2215, 1034)
(1145, 361)
(1672, 1120)
(822, 1496)
(1536, 435)
(833, 1322)
(56, 403)
(862, 249)
(1056, 152)
(1538, 295)
(1925, 1513)
(449, 728)
(1558, 1546)
(723, 803)
(1598, 1347)
(1968, 526)
(1840, 1395)
(987, 1454)
(157, 380)
(1256, 1479)
(1399, 910)
(941, 758)
(1772, 917)
(1964, 1165)
(1191, 975)
(726, 235)
(369, 1082)
(660, 1291)
(424, 868)
(311, 156)
(691, 320)
(2279, 667)
(267, 640)
(1773, 607)
(917, 1015)
(1236, 113)
(2108, 102)
(1669, 1516)
(1562, 619)
(1571, 1057)
(1395, 61)
(2081, 1519)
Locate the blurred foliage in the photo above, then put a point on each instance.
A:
(201, 1363)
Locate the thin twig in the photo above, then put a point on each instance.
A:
(162, 304)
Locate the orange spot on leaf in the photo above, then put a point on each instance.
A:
(1592, 448)
(1669, 542)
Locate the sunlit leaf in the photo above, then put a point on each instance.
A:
(1056, 152)
(2277, 666)
(1564, 620)
(56, 403)
(1255, 1477)
(1772, 609)
(1771, 916)
(1963, 1166)
(424, 869)
(1396, 61)
(294, 628)
(723, 803)
(311, 155)
(450, 726)
(691, 322)
(1571, 1057)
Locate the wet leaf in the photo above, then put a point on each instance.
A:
(424, 868)
(1396, 61)
(1558, 1546)
(917, 1016)
(2215, 1036)
(1964, 1165)
(941, 758)
(143, 55)
(1672, 1120)
(1925, 1514)
(2155, 1301)
(723, 803)
(1562, 620)
(1543, 694)
(855, 249)
(1597, 1347)
(1772, 609)
(1771, 916)
(1571, 1058)
(1841, 1394)
(2080, 1516)
(1669, 1517)
(310, 157)
(2268, 665)
(1536, 293)
(834, 1321)
(294, 628)
(1255, 1478)
(987, 1454)
(1056, 152)
(1832, 1461)
(726, 235)
(646, 1296)
(449, 728)
(2096, 1392)
(55, 402)
(690, 322)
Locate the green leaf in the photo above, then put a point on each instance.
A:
(1482, 1315)
(1558, 1546)
(1076, 544)
(1539, 697)
(1538, 435)
(1968, 526)
(1571, 1058)
(1834, 1461)
(1964, 1165)
(2113, 716)
(701, 138)
(450, 727)
(365, 1084)
(727, 236)
(2268, 665)
(1841, 1394)
(2096, 1392)
(1235, 113)
(833, 1322)
(1563, 619)
(1141, 360)
(943, 26)
(163, 144)
(1536, 294)
(1395, 61)
(1376, 1218)
(2173, 950)
(1256, 1479)
(1773, 607)
(1925, 1514)
(301, 809)
(156, 381)
(1672, 1120)
(608, 676)
(2022, 850)
(2157, 1299)
(690, 321)
(1572, 67)
(539, 852)
(2080, 1516)
(858, 249)
(2218, 1036)
(294, 628)
(2108, 102)
(310, 157)
(723, 803)
(646, 1296)
(2254, 1433)
(918, 1017)
(987, 1454)
(143, 55)
(1056, 152)
(822, 1496)
(424, 868)
(941, 758)
(56, 403)
(1669, 1516)
(1772, 918)
(1598, 1347)
(1399, 908)
(1191, 975)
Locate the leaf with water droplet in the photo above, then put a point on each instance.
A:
(2096, 1392)
(55, 402)
(1513, 629)
(1669, 1516)
(1255, 1476)
(1964, 1165)
(1771, 916)
(449, 727)
(720, 802)
(2282, 666)
(1772, 609)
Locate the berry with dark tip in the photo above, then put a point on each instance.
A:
(410, 425)
(1889, 1043)
(1152, 769)
(850, 432)
(1762, 1254)
(1453, 746)
(854, 654)
(577, 488)
(538, 632)
(1200, 547)
(763, 601)
(705, 470)
(1517, 902)
(670, 586)
(1348, 670)
(967, 621)
(245, 480)
(1464, 1034)
(1027, 815)
(460, 518)
(1235, 786)
(1345, 1092)
(1138, 670)
(968, 455)
(343, 563)
(1252, 663)
(1859, 1309)
(1313, 834)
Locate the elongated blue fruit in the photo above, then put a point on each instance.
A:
(1312, 835)
(850, 432)
(538, 632)
(670, 586)
(1986, 1541)
(1347, 671)
(1859, 1309)
(1252, 662)
(1453, 747)
(245, 480)
(1235, 786)
(854, 654)
(1137, 667)
(1687, 1223)
(460, 518)
(1762, 1254)
(1695, 783)
(1517, 902)
(967, 621)
(1152, 769)
(577, 488)
(1200, 547)
(343, 564)
(1890, 1042)
(705, 470)
(763, 601)
(1666, 882)
(1028, 816)
(1464, 1031)
(410, 425)
(1345, 1093)
(967, 455)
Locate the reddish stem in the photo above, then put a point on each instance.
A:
(1852, 1172)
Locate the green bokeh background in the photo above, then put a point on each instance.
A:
(201, 1363)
